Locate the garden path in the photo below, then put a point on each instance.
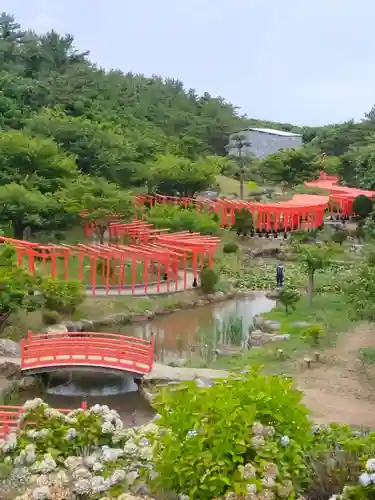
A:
(340, 390)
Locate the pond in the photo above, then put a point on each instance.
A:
(176, 336)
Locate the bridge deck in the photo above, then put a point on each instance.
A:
(45, 351)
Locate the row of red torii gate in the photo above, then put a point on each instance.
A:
(139, 259)
(303, 211)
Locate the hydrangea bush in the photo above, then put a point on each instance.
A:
(83, 454)
(245, 435)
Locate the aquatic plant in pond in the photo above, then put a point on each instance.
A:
(223, 333)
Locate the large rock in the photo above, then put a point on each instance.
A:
(10, 369)
(228, 351)
(259, 338)
(164, 373)
(57, 329)
(271, 326)
(9, 348)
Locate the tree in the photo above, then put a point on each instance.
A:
(98, 150)
(98, 201)
(362, 206)
(358, 166)
(291, 166)
(237, 149)
(288, 298)
(243, 222)
(35, 160)
(17, 287)
(314, 258)
(172, 175)
(24, 207)
(360, 290)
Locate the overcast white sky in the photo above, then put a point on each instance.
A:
(286, 60)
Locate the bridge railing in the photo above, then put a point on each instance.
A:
(108, 350)
(10, 415)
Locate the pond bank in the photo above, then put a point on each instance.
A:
(129, 318)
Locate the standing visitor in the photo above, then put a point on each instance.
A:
(279, 275)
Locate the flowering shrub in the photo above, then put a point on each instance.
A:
(243, 435)
(83, 454)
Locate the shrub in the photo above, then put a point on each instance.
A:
(51, 317)
(362, 206)
(230, 247)
(288, 298)
(243, 433)
(178, 218)
(63, 296)
(74, 455)
(209, 279)
(339, 236)
(314, 334)
(243, 222)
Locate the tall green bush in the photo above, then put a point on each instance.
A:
(180, 219)
(209, 279)
(63, 296)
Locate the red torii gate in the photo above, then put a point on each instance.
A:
(166, 253)
(341, 198)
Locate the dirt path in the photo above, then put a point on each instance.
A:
(336, 390)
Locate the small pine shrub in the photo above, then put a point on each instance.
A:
(230, 247)
(51, 317)
(339, 236)
(209, 279)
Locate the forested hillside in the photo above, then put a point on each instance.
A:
(74, 136)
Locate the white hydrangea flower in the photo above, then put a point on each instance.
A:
(107, 428)
(90, 460)
(81, 473)
(46, 465)
(97, 467)
(284, 441)
(32, 404)
(71, 434)
(251, 489)
(257, 429)
(117, 476)
(131, 477)
(257, 442)
(130, 448)
(145, 453)
(9, 443)
(248, 471)
(42, 493)
(370, 465)
(82, 487)
(52, 413)
(269, 431)
(268, 482)
(70, 420)
(42, 480)
(364, 479)
(72, 463)
(98, 484)
(61, 478)
(111, 454)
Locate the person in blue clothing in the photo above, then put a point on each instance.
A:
(279, 275)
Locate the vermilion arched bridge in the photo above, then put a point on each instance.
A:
(46, 352)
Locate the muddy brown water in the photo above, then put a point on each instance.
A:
(174, 335)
